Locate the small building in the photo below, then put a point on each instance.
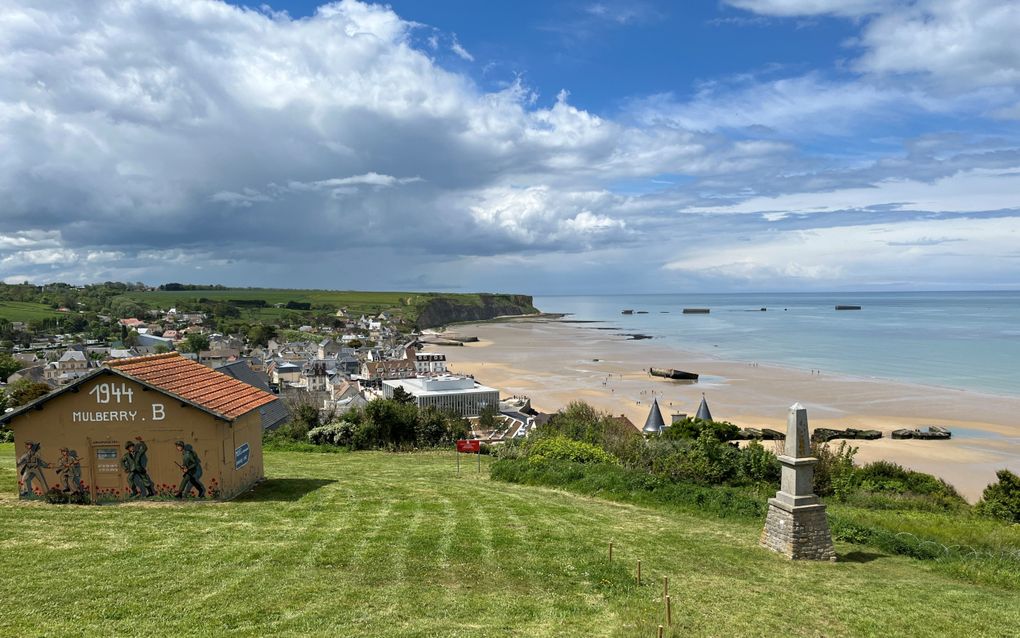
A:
(133, 424)
(71, 365)
(391, 369)
(430, 363)
(463, 395)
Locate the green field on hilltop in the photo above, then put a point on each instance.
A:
(378, 544)
(26, 311)
(403, 304)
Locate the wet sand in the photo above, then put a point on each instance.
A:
(554, 363)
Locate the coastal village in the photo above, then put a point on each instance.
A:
(334, 366)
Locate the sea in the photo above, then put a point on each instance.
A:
(962, 340)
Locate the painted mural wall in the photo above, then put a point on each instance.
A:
(112, 438)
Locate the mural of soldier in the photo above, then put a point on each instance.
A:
(135, 462)
(191, 469)
(30, 468)
(141, 453)
(69, 470)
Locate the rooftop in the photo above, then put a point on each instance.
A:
(446, 384)
(194, 382)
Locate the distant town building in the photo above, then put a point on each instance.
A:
(385, 370)
(463, 395)
(430, 363)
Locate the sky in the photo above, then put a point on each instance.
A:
(588, 147)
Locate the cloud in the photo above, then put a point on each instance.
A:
(870, 255)
(959, 44)
(460, 51)
(167, 140)
(794, 8)
(956, 45)
(973, 190)
(808, 104)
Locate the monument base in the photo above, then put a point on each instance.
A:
(800, 532)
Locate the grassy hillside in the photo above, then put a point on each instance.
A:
(374, 544)
(25, 311)
(409, 305)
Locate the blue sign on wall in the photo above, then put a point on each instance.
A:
(241, 455)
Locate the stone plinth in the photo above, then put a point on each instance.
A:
(796, 525)
(800, 532)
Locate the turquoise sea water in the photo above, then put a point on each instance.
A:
(966, 340)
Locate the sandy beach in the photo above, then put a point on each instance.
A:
(555, 362)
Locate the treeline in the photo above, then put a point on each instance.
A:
(382, 424)
(176, 287)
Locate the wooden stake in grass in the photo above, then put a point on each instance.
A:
(669, 611)
(610, 552)
(639, 573)
(665, 586)
(660, 631)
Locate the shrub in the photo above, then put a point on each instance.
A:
(1002, 499)
(560, 448)
(834, 472)
(758, 465)
(339, 433)
(693, 428)
(885, 478)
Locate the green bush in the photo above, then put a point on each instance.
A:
(758, 465)
(1002, 499)
(897, 483)
(834, 472)
(560, 448)
(338, 433)
(693, 428)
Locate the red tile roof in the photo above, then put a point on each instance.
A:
(194, 383)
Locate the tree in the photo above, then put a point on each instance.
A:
(402, 396)
(487, 418)
(131, 339)
(8, 366)
(259, 335)
(24, 391)
(195, 342)
(1002, 499)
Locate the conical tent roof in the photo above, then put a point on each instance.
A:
(654, 422)
(703, 412)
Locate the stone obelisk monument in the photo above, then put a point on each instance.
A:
(796, 525)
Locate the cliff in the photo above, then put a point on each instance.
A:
(440, 311)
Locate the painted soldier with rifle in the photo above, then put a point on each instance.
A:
(69, 470)
(135, 462)
(30, 468)
(191, 470)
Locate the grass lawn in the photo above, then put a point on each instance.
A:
(374, 544)
(26, 311)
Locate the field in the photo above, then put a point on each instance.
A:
(25, 311)
(375, 544)
(355, 301)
